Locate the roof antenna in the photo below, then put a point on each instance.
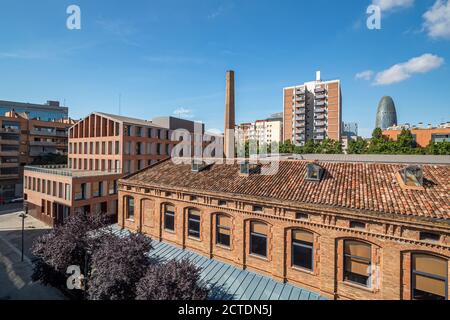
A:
(120, 104)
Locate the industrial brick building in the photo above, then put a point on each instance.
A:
(348, 228)
(102, 148)
(312, 111)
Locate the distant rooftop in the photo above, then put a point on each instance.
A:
(63, 170)
(129, 120)
(373, 158)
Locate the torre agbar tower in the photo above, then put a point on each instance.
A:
(312, 111)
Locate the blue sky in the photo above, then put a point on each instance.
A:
(163, 56)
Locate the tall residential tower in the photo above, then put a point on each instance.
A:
(312, 111)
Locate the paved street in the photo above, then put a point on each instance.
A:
(15, 276)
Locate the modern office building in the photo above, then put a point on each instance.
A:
(51, 111)
(263, 131)
(23, 139)
(421, 134)
(386, 114)
(349, 129)
(312, 111)
(343, 227)
(102, 148)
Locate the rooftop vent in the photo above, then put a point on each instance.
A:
(314, 172)
(411, 177)
(246, 168)
(198, 165)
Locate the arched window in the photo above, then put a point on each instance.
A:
(303, 249)
(429, 277)
(169, 217)
(223, 230)
(129, 208)
(258, 238)
(357, 262)
(194, 223)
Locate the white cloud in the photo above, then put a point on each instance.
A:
(387, 5)
(437, 20)
(183, 113)
(364, 75)
(402, 71)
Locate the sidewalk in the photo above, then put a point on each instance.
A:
(15, 276)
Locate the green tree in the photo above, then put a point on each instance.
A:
(438, 148)
(358, 146)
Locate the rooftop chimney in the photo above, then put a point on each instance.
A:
(229, 116)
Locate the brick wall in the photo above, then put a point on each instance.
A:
(392, 241)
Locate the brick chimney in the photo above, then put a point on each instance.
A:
(229, 116)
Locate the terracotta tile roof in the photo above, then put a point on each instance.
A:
(360, 186)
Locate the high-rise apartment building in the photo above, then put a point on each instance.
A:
(312, 111)
(102, 149)
(25, 136)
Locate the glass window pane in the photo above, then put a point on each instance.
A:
(430, 264)
(258, 245)
(429, 285)
(304, 236)
(302, 256)
(359, 249)
(259, 227)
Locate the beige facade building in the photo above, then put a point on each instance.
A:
(102, 148)
(312, 111)
(263, 131)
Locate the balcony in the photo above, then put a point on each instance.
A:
(319, 137)
(300, 99)
(319, 110)
(320, 103)
(320, 96)
(48, 133)
(300, 118)
(43, 143)
(300, 124)
(300, 112)
(319, 123)
(12, 153)
(300, 91)
(319, 130)
(319, 117)
(9, 130)
(319, 90)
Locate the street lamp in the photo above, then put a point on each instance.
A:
(23, 215)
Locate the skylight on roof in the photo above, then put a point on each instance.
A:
(412, 176)
(314, 172)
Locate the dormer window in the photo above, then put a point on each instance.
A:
(314, 172)
(411, 177)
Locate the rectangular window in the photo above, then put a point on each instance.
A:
(223, 231)
(357, 262)
(357, 225)
(112, 187)
(116, 148)
(429, 277)
(129, 203)
(169, 218)
(302, 249)
(428, 236)
(258, 239)
(194, 223)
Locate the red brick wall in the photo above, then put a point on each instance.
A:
(391, 242)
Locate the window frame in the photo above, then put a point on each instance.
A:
(171, 215)
(192, 217)
(346, 256)
(222, 227)
(259, 235)
(127, 208)
(426, 275)
(302, 244)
